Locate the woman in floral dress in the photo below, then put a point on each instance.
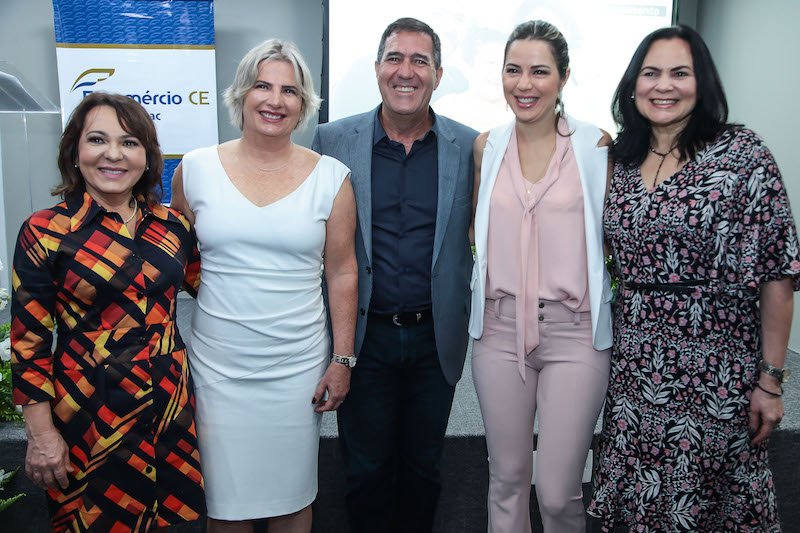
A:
(706, 251)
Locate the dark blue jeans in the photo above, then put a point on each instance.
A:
(392, 426)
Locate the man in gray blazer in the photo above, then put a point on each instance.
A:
(412, 177)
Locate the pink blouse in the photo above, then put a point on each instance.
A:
(536, 243)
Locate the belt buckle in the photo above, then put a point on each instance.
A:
(396, 319)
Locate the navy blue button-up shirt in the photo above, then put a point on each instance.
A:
(404, 197)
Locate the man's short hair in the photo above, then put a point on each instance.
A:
(412, 25)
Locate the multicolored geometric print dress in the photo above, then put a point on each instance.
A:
(117, 379)
(691, 254)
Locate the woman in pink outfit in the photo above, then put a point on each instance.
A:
(540, 291)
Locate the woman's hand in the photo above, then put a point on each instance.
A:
(47, 458)
(776, 304)
(766, 412)
(336, 382)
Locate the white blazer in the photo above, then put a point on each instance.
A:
(592, 167)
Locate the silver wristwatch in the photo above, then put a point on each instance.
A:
(346, 360)
(781, 374)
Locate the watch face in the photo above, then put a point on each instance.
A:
(781, 374)
(349, 361)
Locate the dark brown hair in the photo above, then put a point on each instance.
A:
(540, 30)
(135, 120)
(707, 120)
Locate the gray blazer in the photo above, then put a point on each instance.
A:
(350, 141)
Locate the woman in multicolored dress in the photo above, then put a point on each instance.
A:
(706, 251)
(109, 411)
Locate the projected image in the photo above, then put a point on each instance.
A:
(602, 35)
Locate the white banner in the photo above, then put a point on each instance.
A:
(158, 52)
(177, 87)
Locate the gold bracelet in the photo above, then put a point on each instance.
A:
(334, 354)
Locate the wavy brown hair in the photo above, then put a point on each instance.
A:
(135, 120)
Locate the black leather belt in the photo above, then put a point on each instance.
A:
(406, 318)
(687, 286)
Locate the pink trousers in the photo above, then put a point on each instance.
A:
(565, 384)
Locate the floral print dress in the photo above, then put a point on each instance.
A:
(675, 452)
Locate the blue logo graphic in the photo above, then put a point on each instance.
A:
(92, 77)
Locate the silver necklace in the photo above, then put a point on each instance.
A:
(275, 169)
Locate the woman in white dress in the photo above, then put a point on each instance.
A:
(266, 212)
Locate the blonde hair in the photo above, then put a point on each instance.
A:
(247, 73)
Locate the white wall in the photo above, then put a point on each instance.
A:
(242, 24)
(755, 47)
(29, 165)
(687, 12)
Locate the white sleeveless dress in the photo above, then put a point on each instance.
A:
(259, 341)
